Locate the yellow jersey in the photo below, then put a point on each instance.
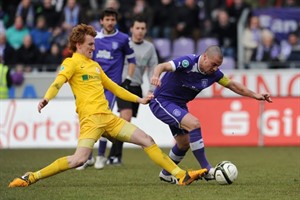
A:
(87, 81)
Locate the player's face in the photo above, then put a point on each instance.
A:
(210, 64)
(108, 23)
(138, 31)
(87, 47)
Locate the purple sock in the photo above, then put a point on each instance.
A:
(176, 155)
(102, 146)
(197, 146)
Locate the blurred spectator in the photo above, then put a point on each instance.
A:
(47, 10)
(59, 5)
(72, 15)
(3, 18)
(187, 23)
(251, 38)
(40, 35)
(226, 33)
(16, 33)
(28, 55)
(92, 9)
(236, 10)
(60, 37)
(141, 8)
(290, 3)
(164, 18)
(7, 53)
(27, 12)
(206, 28)
(267, 50)
(17, 75)
(5, 80)
(53, 58)
(290, 50)
(10, 8)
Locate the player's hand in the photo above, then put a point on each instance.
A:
(126, 83)
(265, 97)
(155, 81)
(42, 104)
(146, 99)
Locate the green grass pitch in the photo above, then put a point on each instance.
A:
(264, 173)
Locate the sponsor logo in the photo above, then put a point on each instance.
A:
(204, 83)
(115, 45)
(86, 77)
(176, 112)
(185, 63)
(103, 54)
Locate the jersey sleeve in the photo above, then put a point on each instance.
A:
(67, 68)
(224, 81)
(183, 63)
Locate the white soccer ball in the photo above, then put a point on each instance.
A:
(226, 173)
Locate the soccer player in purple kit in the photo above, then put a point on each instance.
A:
(111, 48)
(185, 78)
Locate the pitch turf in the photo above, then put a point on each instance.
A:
(264, 173)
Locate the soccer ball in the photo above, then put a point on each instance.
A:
(225, 173)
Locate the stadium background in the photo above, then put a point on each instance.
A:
(227, 120)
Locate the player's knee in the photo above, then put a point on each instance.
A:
(184, 145)
(194, 124)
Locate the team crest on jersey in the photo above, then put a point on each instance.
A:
(176, 112)
(97, 70)
(62, 68)
(185, 63)
(115, 45)
(204, 83)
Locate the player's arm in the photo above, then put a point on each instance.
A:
(243, 90)
(121, 92)
(52, 91)
(162, 67)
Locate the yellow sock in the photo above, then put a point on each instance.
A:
(56, 167)
(161, 159)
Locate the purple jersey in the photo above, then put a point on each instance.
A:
(110, 52)
(186, 82)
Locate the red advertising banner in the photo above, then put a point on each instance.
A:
(246, 122)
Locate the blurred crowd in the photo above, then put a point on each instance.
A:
(34, 33)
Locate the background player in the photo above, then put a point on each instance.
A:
(186, 77)
(146, 60)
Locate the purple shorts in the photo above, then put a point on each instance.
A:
(169, 113)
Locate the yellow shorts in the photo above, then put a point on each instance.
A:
(107, 125)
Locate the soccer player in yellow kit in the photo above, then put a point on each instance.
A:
(88, 81)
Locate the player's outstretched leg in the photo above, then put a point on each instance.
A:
(176, 154)
(23, 181)
(161, 159)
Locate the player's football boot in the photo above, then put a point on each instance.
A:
(116, 161)
(167, 178)
(22, 181)
(210, 175)
(88, 163)
(191, 176)
(100, 162)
